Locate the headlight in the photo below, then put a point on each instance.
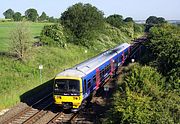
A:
(76, 98)
(57, 97)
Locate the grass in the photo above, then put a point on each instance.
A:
(18, 77)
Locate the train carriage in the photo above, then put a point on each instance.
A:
(73, 86)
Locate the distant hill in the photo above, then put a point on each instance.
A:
(174, 21)
(170, 21)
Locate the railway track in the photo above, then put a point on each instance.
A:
(66, 118)
(62, 118)
(32, 113)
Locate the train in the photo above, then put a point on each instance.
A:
(75, 85)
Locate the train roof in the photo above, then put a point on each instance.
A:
(88, 66)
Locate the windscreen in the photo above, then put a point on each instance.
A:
(66, 87)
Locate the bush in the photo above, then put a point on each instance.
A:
(54, 35)
(115, 20)
(140, 98)
(164, 44)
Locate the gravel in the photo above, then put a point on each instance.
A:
(30, 99)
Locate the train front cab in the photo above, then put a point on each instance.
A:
(68, 92)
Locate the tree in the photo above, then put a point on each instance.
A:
(31, 14)
(52, 19)
(43, 17)
(8, 14)
(164, 44)
(21, 40)
(115, 20)
(140, 98)
(82, 19)
(161, 20)
(128, 19)
(17, 16)
(153, 20)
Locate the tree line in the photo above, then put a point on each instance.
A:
(82, 23)
(30, 15)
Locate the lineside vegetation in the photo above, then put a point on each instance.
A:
(150, 92)
(56, 47)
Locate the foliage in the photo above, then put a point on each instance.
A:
(54, 34)
(17, 16)
(153, 20)
(144, 79)
(138, 28)
(25, 76)
(52, 19)
(8, 14)
(141, 99)
(164, 44)
(21, 41)
(82, 19)
(128, 19)
(31, 14)
(42, 17)
(115, 20)
(127, 25)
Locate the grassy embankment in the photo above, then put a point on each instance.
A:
(16, 77)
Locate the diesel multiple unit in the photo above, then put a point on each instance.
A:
(73, 86)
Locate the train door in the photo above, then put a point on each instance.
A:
(112, 67)
(122, 57)
(129, 51)
(97, 78)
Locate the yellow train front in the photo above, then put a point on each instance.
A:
(68, 92)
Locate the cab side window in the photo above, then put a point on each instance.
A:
(84, 88)
(89, 83)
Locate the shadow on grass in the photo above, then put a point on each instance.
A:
(7, 54)
(37, 93)
(32, 96)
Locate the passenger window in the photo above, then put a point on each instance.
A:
(122, 58)
(106, 69)
(89, 83)
(102, 73)
(94, 79)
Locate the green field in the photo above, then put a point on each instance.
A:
(6, 27)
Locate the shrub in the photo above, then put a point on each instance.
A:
(164, 45)
(140, 98)
(54, 35)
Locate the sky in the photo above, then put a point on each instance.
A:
(137, 9)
